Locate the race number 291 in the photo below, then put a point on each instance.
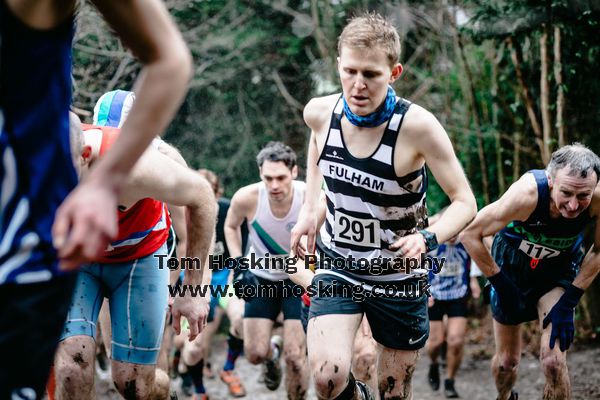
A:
(361, 232)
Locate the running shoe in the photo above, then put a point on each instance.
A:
(233, 382)
(434, 376)
(365, 391)
(272, 368)
(449, 390)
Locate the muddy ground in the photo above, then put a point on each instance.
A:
(473, 382)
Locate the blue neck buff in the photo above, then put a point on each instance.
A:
(377, 117)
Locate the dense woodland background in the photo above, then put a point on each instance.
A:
(509, 80)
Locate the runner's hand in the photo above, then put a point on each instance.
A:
(561, 316)
(410, 246)
(194, 309)
(306, 226)
(84, 224)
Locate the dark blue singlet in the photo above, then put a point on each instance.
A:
(36, 168)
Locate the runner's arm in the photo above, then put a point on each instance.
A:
(517, 203)
(309, 213)
(241, 205)
(433, 143)
(86, 220)
(157, 176)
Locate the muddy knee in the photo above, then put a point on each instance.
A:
(508, 362)
(135, 385)
(255, 354)
(74, 366)
(363, 365)
(295, 360)
(330, 379)
(74, 374)
(553, 365)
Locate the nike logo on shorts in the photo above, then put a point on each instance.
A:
(411, 341)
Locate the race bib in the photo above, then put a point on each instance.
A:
(452, 269)
(360, 232)
(537, 251)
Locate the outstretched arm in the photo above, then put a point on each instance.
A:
(243, 204)
(432, 143)
(86, 220)
(308, 218)
(158, 177)
(517, 203)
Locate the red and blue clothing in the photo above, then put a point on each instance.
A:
(143, 228)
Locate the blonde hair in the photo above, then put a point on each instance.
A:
(371, 30)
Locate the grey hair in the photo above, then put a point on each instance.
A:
(277, 151)
(579, 159)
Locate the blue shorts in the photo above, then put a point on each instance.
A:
(533, 282)
(138, 296)
(219, 278)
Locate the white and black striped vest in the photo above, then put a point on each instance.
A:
(368, 206)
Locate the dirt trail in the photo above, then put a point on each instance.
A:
(474, 381)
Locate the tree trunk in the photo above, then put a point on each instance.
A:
(560, 95)
(496, 57)
(545, 94)
(516, 155)
(477, 119)
(517, 58)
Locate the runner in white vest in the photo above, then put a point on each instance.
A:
(271, 208)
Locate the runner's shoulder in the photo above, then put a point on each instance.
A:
(246, 197)
(318, 110)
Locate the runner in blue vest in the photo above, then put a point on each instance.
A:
(37, 174)
(537, 268)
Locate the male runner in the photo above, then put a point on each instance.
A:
(271, 208)
(195, 354)
(450, 290)
(36, 172)
(537, 269)
(129, 274)
(371, 147)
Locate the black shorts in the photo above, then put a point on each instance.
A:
(399, 323)
(533, 282)
(451, 308)
(32, 318)
(272, 297)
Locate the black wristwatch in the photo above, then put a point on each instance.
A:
(431, 242)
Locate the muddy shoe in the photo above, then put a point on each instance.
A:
(365, 391)
(233, 382)
(434, 376)
(449, 390)
(272, 368)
